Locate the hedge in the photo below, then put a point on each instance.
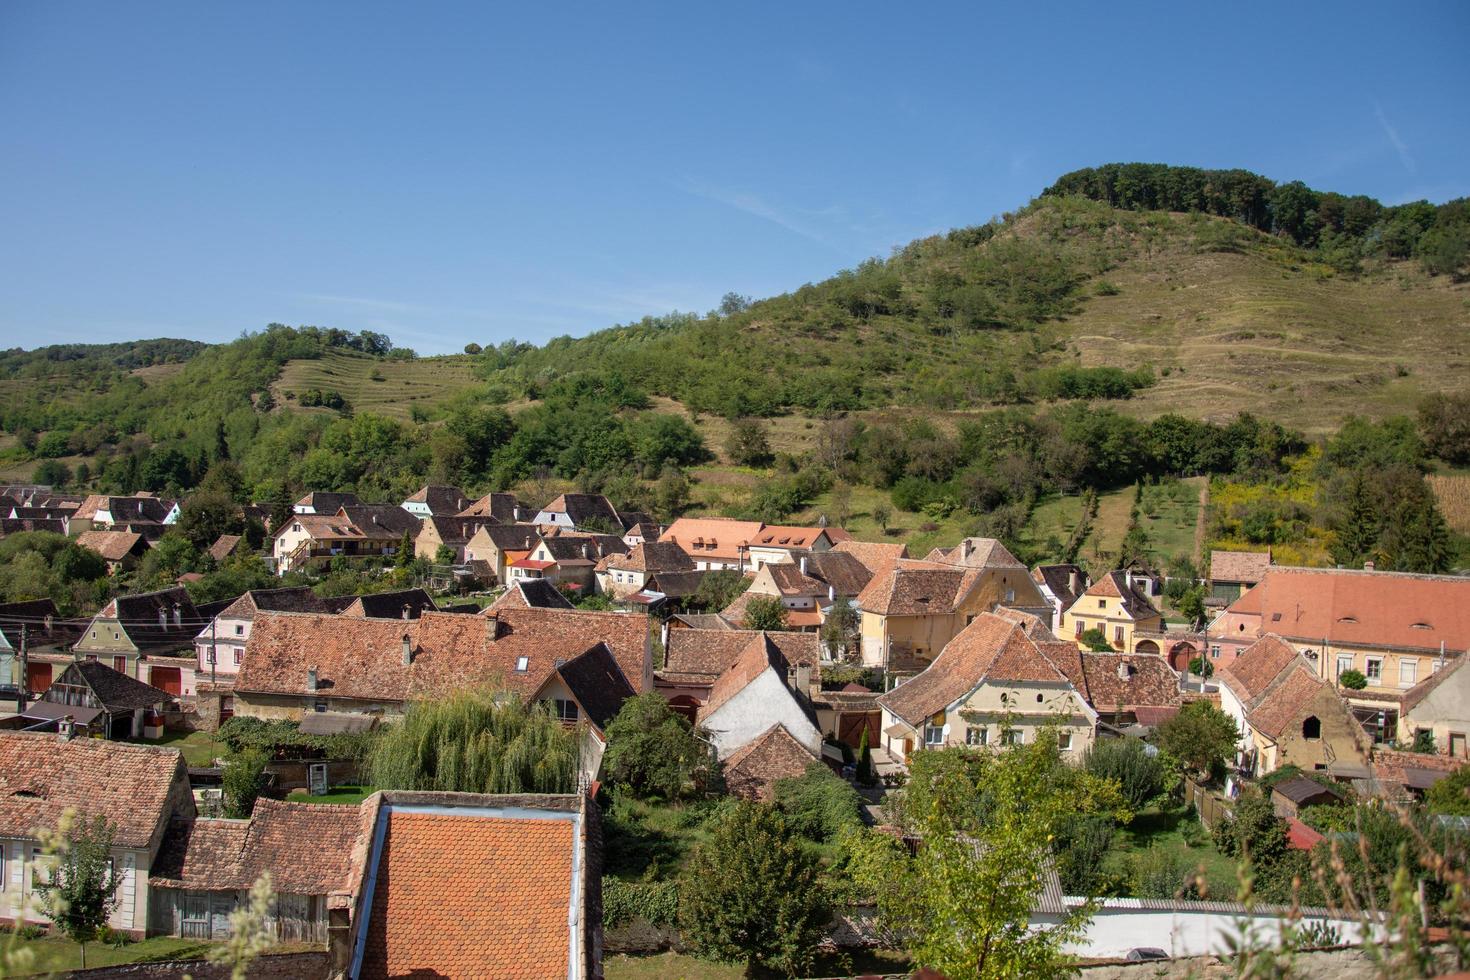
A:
(624, 901)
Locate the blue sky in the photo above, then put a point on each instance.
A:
(456, 172)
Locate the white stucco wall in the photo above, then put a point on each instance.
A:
(762, 703)
(1120, 925)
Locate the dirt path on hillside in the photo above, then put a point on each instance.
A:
(1199, 523)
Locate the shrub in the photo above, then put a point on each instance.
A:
(1201, 666)
(1353, 680)
(1095, 640)
(817, 804)
(651, 749)
(1140, 777)
(1158, 872)
(624, 901)
(243, 780)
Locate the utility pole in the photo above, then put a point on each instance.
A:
(23, 684)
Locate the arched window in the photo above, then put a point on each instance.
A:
(1311, 727)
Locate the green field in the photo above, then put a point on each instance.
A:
(1170, 515)
(340, 795)
(53, 954)
(392, 388)
(1173, 827)
(200, 748)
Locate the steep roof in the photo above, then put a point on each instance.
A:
(844, 572)
(515, 537)
(20, 525)
(363, 658)
(1116, 681)
(991, 648)
(376, 518)
(224, 546)
(581, 508)
(752, 770)
(915, 588)
(114, 690)
(758, 656)
(297, 598)
(501, 506)
(326, 502)
(706, 538)
(454, 530)
(531, 593)
(111, 545)
(1257, 666)
(981, 553)
(787, 536)
(465, 894)
(1350, 607)
(875, 555)
(652, 556)
(442, 500)
(1239, 566)
(42, 776)
(389, 605)
(597, 683)
(582, 547)
(1059, 578)
(705, 654)
(30, 613)
(1415, 695)
(306, 847)
(631, 519)
(139, 617)
(1276, 686)
(1114, 585)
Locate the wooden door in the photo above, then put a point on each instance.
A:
(38, 676)
(166, 679)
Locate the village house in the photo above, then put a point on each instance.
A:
(695, 658)
(567, 559)
(530, 593)
(148, 636)
(1234, 573)
(1130, 688)
(399, 604)
(513, 884)
(1060, 586)
(453, 533)
(1395, 628)
(1287, 715)
(1114, 605)
(436, 501)
(206, 867)
(493, 545)
(1437, 711)
(25, 525)
(806, 588)
(136, 788)
(220, 646)
(103, 512)
(55, 520)
(641, 532)
(121, 550)
(1291, 796)
(505, 508)
(625, 573)
(324, 502)
(751, 772)
(313, 540)
(225, 546)
(911, 610)
(991, 685)
(760, 689)
(776, 544)
(875, 555)
(36, 626)
(581, 512)
(713, 543)
(92, 699)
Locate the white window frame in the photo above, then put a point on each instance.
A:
(1341, 659)
(933, 735)
(1013, 736)
(1410, 667)
(1064, 741)
(1374, 671)
(523, 664)
(977, 735)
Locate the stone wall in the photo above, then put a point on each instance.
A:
(280, 966)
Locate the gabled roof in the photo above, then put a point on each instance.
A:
(326, 502)
(1249, 674)
(41, 776)
(513, 537)
(362, 659)
(675, 585)
(1348, 607)
(297, 598)
(916, 588)
(373, 518)
(752, 770)
(652, 556)
(979, 553)
(111, 545)
(582, 508)
(20, 525)
(758, 656)
(582, 547)
(704, 654)
(1299, 789)
(991, 648)
(791, 581)
(875, 555)
(442, 500)
(788, 537)
(139, 617)
(115, 691)
(454, 530)
(390, 605)
(631, 519)
(597, 683)
(501, 506)
(1415, 695)
(1248, 567)
(1058, 578)
(1114, 585)
(706, 538)
(306, 847)
(135, 508)
(224, 546)
(32, 614)
(843, 572)
(1276, 686)
(1118, 681)
(530, 593)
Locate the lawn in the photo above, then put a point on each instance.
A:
(345, 794)
(1169, 515)
(200, 748)
(675, 966)
(391, 388)
(640, 835)
(53, 953)
(1176, 828)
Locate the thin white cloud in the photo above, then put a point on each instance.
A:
(1393, 137)
(759, 207)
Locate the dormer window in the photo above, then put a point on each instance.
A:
(1348, 619)
(1420, 626)
(523, 664)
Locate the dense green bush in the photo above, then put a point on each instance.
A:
(818, 804)
(1139, 775)
(624, 901)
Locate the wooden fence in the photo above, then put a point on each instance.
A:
(1210, 805)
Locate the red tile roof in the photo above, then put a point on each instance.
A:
(1239, 566)
(1121, 681)
(710, 538)
(917, 588)
(708, 653)
(758, 656)
(752, 770)
(875, 555)
(463, 895)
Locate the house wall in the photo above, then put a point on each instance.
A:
(105, 636)
(293, 707)
(481, 548)
(228, 639)
(1029, 706)
(1106, 613)
(287, 541)
(759, 705)
(1445, 711)
(1231, 633)
(1119, 924)
(920, 635)
(1392, 664)
(1338, 743)
(19, 897)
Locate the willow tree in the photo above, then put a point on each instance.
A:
(478, 741)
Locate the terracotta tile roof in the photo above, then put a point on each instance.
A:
(514, 537)
(1299, 836)
(758, 656)
(530, 593)
(844, 572)
(1393, 610)
(991, 648)
(454, 530)
(1059, 579)
(224, 546)
(1119, 681)
(130, 785)
(1416, 694)
(306, 847)
(567, 548)
(376, 519)
(111, 545)
(1286, 700)
(784, 536)
(462, 895)
(326, 502)
(1249, 674)
(442, 500)
(90, 506)
(1239, 566)
(389, 605)
(751, 771)
(648, 532)
(501, 506)
(710, 538)
(651, 556)
(978, 553)
(874, 554)
(363, 658)
(1411, 769)
(704, 621)
(631, 519)
(20, 525)
(709, 653)
(597, 683)
(294, 599)
(913, 588)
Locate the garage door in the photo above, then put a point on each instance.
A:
(166, 679)
(38, 676)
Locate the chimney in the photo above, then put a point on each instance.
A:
(1074, 581)
(1368, 565)
(803, 564)
(162, 617)
(663, 637)
(407, 648)
(407, 609)
(311, 679)
(493, 629)
(66, 729)
(802, 679)
(1124, 671)
(178, 615)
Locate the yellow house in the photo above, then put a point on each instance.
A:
(1115, 607)
(1440, 706)
(992, 685)
(911, 609)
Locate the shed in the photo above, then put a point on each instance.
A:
(1289, 797)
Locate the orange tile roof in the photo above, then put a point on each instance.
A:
(916, 588)
(752, 770)
(759, 655)
(1257, 666)
(708, 653)
(111, 545)
(711, 538)
(874, 554)
(465, 895)
(1239, 566)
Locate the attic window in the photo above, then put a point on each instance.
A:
(1420, 626)
(1348, 619)
(1275, 617)
(523, 664)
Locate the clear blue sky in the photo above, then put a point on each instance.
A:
(455, 172)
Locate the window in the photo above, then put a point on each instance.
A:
(1344, 663)
(1010, 595)
(523, 664)
(210, 658)
(1312, 727)
(319, 706)
(1081, 627)
(37, 881)
(1102, 603)
(120, 664)
(1064, 741)
(1117, 636)
(1408, 672)
(1375, 668)
(239, 629)
(977, 735)
(1012, 736)
(565, 710)
(238, 655)
(933, 735)
(1214, 653)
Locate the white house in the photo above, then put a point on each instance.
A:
(759, 691)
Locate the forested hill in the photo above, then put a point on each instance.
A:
(1152, 289)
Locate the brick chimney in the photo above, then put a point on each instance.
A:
(801, 679)
(311, 680)
(1368, 565)
(407, 648)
